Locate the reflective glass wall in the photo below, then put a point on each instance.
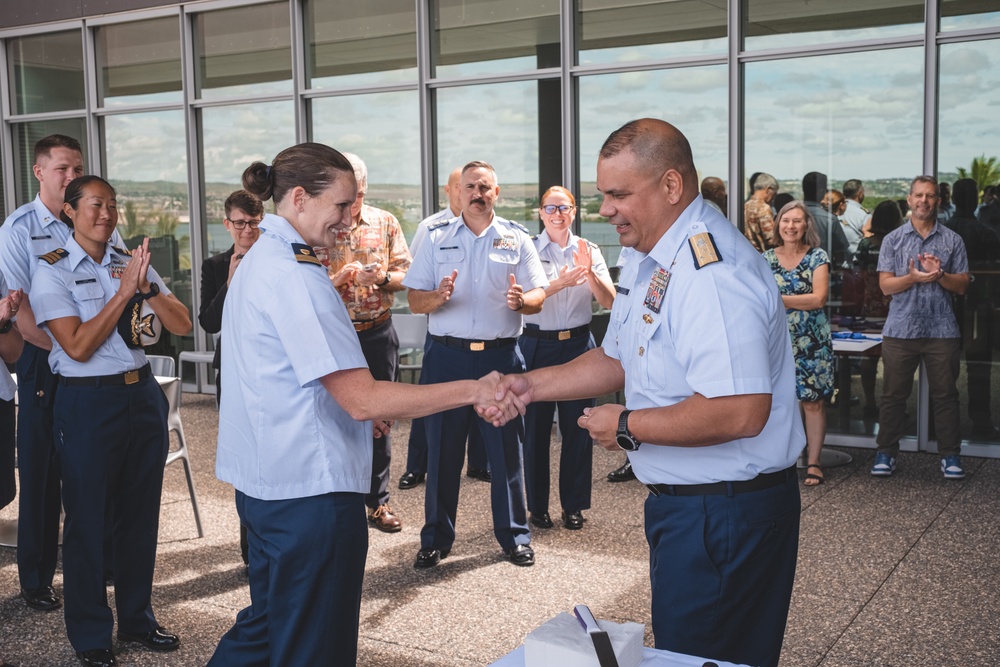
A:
(171, 103)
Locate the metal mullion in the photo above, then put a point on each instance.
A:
(299, 83)
(136, 108)
(531, 75)
(132, 16)
(735, 71)
(7, 141)
(428, 154)
(829, 49)
(968, 35)
(95, 150)
(41, 28)
(236, 101)
(567, 88)
(318, 93)
(648, 65)
(210, 6)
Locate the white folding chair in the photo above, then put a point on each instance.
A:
(412, 332)
(164, 368)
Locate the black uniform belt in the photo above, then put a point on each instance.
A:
(474, 345)
(365, 325)
(758, 483)
(116, 380)
(565, 334)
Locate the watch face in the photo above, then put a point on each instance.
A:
(627, 442)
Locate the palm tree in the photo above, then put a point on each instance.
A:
(985, 171)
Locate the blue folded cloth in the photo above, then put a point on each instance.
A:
(848, 335)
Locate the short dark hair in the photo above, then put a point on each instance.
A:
(652, 149)
(886, 217)
(813, 184)
(244, 201)
(45, 145)
(480, 164)
(309, 165)
(852, 188)
(965, 195)
(74, 191)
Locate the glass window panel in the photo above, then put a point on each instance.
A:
(147, 164)
(231, 138)
(777, 24)
(26, 135)
(626, 30)
(139, 62)
(509, 141)
(969, 95)
(384, 130)
(969, 14)
(693, 99)
(810, 114)
(243, 51)
(46, 72)
(490, 36)
(354, 44)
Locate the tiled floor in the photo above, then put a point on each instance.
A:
(898, 572)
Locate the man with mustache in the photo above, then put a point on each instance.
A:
(475, 276)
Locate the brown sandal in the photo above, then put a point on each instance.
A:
(812, 479)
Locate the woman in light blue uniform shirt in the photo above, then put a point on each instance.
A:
(110, 419)
(577, 274)
(295, 425)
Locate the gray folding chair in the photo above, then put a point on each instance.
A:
(164, 368)
(412, 332)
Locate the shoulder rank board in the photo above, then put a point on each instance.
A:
(55, 255)
(305, 253)
(704, 250)
(122, 251)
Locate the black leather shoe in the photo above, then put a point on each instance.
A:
(623, 474)
(97, 657)
(411, 479)
(521, 555)
(155, 640)
(42, 599)
(429, 558)
(483, 475)
(542, 520)
(573, 520)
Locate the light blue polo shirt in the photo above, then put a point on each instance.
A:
(77, 286)
(284, 327)
(478, 307)
(573, 306)
(718, 331)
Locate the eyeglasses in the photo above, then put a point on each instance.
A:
(552, 208)
(242, 224)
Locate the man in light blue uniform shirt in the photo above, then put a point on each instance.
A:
(416, 450)
(475, 276)
(30, 232)
(698, 339)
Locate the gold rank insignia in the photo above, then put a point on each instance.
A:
(647, 318)
(55, 255)
(704, 250)
(305, 253)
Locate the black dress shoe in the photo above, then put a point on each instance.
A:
(483, 475)
(521, 555)
(97, 657)
(42, 599)
(542, 520)
(155, 640)
(622, 474)
(429, 558)
(573, 520)
(410, 479)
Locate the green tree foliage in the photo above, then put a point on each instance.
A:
(985, 171)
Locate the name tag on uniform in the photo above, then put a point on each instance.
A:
(622, 290)
(504, 243)
(40, 238)
(657, 289)
(448, 247)
(88, 280)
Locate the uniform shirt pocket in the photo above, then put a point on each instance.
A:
(650, 352)
(89, 296)
(449, 258)
(502, 263)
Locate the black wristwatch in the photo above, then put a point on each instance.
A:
(154, 289)
(7, 326)
(625, 439)
(385, 282)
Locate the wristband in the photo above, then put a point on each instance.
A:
(386, 281)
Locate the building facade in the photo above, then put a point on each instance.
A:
(172, 100)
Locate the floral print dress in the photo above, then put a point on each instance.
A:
(810, 329)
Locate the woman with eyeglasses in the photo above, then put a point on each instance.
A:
(577, 275)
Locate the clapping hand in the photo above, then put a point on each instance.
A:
(346, 274)
(134, 276)
(582, 256)
(371, 273)
(929, 271)
(515, 294)
(10, 304)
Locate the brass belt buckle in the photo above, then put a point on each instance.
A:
(477, 346)
(131, 377)
(563, 335)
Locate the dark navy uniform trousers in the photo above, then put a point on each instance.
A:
(576, 460)
(112, 444)
(446, 435)
(722, 568)
(307, 563)
(416, 448)
(40, 501)
(380, 345)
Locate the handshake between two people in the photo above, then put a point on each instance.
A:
(505, 397)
